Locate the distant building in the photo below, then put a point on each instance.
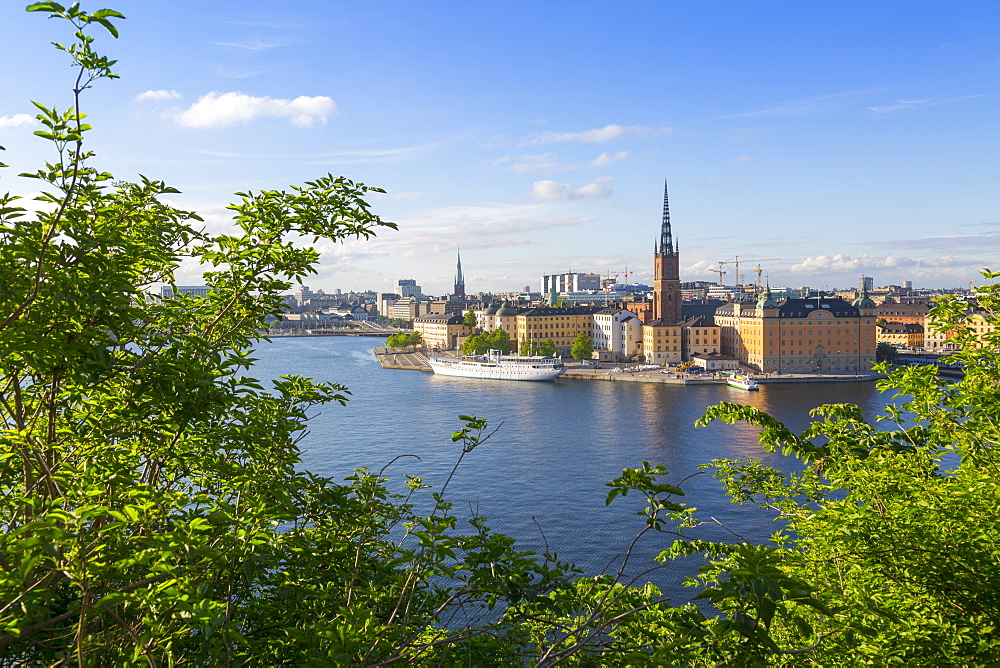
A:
(570, 282)
(914, 314)
(407, 287)
(166, 291)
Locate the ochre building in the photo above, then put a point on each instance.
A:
(823, 334)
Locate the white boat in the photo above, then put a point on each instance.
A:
(743, 382)
(500, 367)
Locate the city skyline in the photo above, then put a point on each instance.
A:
(849, 140)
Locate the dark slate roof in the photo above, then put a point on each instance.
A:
(553, 310)
(902, 310)
(801, 308)
(900, 328)
(699, 321)
(660, 322)
(442, 318)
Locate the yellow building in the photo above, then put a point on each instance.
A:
(906, 335)
(800, 335)
(662, 342)
(442, 330)
(701, 337)
(559, 324)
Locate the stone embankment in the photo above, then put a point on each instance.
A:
(416, 360)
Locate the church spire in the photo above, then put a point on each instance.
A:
(666, 236)
(459, 291)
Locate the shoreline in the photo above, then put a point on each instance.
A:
(416, 360)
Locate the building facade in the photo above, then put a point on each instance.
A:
(699, 336)
(559, 324)
(442, 330)
(823, 334)
(662, 342)
(616, 334)
(904, 335)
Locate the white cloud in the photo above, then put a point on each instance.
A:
(157, 95)
(407, 196)
(598, 135)
(220, 110)
(538, 162)
(545, 163)
(16, 121)
(548, 190)
(908, 105)
(608, 158)
(902, 105)
(255, 44)
(743, 158)
(708, 182)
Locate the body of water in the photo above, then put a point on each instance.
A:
(541, 477)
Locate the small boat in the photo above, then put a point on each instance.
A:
(499, 367)
(742, 382)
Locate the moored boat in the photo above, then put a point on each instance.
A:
(499, 367)
(742, 382)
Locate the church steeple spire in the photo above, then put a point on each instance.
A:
(666, 272)
(666, 235)
(459, 290)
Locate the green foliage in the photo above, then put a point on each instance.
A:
(470, 318)
(402, 340)
(582, 348)
(885, 352)
(548, 348)
(528, 347)
(498, 339)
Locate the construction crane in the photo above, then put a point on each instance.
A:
(969, 289)
(625, 271)
(736, 260)
(758, 270)
(720, 271)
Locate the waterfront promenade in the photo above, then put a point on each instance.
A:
(416, 360)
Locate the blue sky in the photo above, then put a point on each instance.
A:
(840, 138)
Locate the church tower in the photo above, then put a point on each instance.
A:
(666, 272)
(459, 291)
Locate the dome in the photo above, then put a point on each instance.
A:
(766, 300)
(491, 309)
(863, 300)
(507, 309)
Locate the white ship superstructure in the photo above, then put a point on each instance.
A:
(499, 367)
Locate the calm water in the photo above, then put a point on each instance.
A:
(541, 477)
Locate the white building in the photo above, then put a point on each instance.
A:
(617, 333)
(407, 287)
(570, 282)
